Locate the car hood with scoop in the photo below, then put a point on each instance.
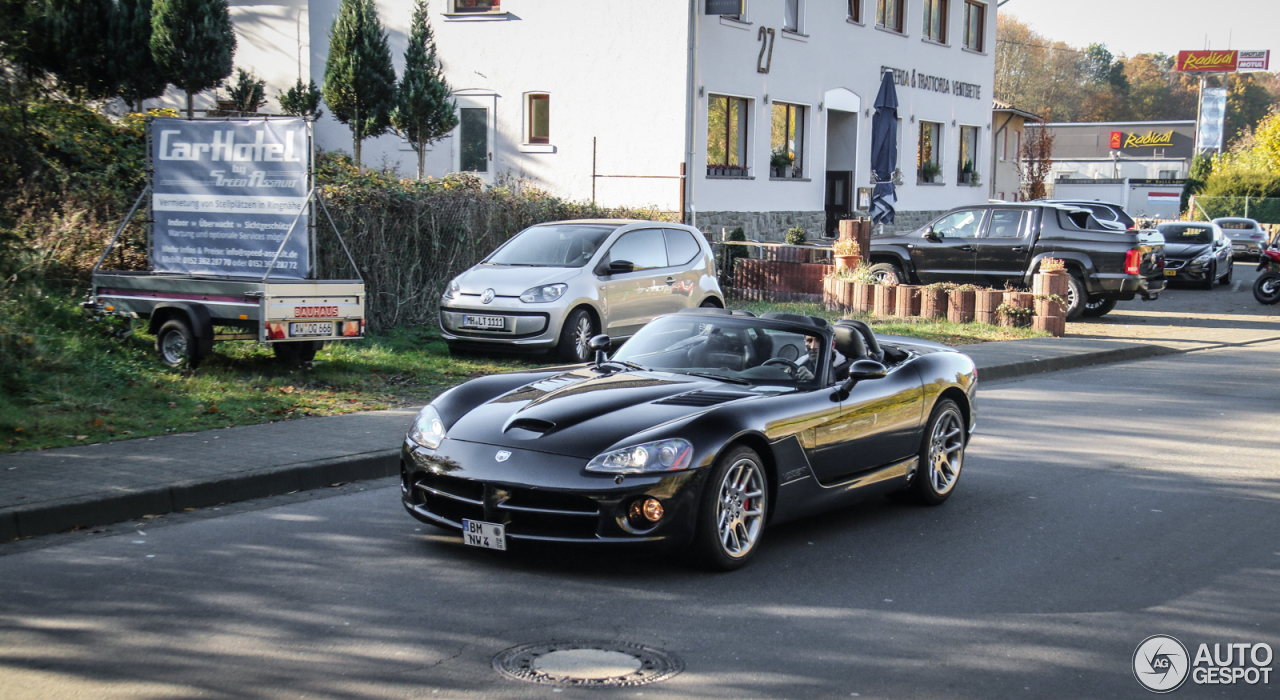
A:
(582, 413)
(1185, 251)
(512, 280)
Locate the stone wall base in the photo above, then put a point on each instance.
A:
(771, 226)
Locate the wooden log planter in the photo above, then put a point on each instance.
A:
(907, 303)
(886, 298)
(1050, 292)
(933, 303)
(863, 299)
(960, 305)
(986, 306)
(1018, 309)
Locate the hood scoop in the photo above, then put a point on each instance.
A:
(701, 398)
(533, 425)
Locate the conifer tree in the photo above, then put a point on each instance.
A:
(192, 43)
(424, 112)
(76, 49)
(139, 77)
(359, 80)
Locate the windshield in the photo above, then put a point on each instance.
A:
(564, 245)
(737, 348)
(1184, 233)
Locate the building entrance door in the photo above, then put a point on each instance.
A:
(838, 199)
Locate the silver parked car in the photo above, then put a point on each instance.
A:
(554, 286)
(1247, 237)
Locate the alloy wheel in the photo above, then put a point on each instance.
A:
(582, 338)
(946, 451)
(740, 507)
(174, 348)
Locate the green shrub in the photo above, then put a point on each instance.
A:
(796, 235)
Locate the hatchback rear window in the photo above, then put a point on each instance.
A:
(1236, 224)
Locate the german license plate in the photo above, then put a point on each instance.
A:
(486, 322)
(1170, 273)
(297, 330)
(485, 535)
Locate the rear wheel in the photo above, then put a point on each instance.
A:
(941, 455)
(1266, 289)
(887, 273)
(1099, 307)
(735, 502)
(1077, 296)
(176, 344)
(579, 328)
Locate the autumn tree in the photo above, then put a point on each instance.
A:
(1035, 162)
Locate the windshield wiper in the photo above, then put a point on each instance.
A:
(721, 377)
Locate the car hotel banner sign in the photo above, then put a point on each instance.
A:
(225, 193)
(1207, 61)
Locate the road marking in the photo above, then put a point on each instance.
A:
(1236, 287)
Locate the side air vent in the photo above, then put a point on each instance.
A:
(701, 398)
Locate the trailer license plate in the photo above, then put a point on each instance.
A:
(488, 322)
(485, 535)
(298, 330)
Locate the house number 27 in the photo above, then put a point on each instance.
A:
(765, 60)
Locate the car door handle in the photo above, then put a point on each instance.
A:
(967, 248)
(671, 281)
(1019, 249)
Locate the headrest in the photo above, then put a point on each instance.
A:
(868, 337)
(849, 342)
(794, 318)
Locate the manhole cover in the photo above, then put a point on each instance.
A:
(590, 664)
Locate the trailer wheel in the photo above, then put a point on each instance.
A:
(297, 353)
(176, 344)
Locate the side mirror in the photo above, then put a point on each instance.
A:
(932, 235)
(618, 267)
(598, 345)
(858, 371)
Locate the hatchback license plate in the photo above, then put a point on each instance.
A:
(484, 535)
(1170, 273)
(488, 322)
(297, 330)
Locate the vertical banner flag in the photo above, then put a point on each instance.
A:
(224, 194)
(1213, 112)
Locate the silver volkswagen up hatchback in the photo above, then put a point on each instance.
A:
(556, 285)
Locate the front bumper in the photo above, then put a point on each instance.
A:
(1247, 247)
(541, 497)
(1183, 271)
(531, 326)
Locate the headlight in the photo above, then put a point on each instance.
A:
(453, 290)
(659, 456)
(549, 292)
(1201, 260)
(428, 429)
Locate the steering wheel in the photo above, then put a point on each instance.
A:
(791, 368)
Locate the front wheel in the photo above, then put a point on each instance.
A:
(1211, 277)
(579, 328)
(735, 503)
(887, 273)
(1231, 268)
(176, 344)
(1266, 289)
(1099, 307)
(941, 455)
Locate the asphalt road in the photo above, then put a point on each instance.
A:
(1097, 507)
(1236, 297)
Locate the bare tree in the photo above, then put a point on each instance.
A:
(1034, 162)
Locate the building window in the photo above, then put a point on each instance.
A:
(740, 16)
(539, 110)
(855, 11)
(474, 150)
(929, 152)
(968, 164)
(476, 5)
(975, 23)
(1168, 174)
(889, 14)
(935, 20)
(791, 10)
(786, 154)
(727, 136)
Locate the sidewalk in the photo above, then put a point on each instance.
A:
(48, 491)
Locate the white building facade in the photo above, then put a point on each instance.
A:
(760, 119)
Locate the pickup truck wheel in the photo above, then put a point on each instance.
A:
(887, 272)
(1099, 307)
(297, 353)
(1077, 297)
(176, 344)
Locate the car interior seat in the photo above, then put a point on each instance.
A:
(873, 351)
(850, 343)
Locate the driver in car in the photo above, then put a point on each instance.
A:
(808, 363)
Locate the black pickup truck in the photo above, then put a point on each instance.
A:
(994, 245)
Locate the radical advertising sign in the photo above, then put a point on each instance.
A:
(224, 194)
(1207, 61)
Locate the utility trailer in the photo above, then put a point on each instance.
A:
(229, 259)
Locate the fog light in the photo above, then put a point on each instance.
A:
(648, 510)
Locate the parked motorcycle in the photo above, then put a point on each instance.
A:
(1266, 288)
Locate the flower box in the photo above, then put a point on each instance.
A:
(1017, 300)
(1049, 283)
(933, 303)
(863, 298)
(908, 302)
(985, 305)
(960, 305)
(885, 300)
(1055, 325)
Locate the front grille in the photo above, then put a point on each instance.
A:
(1174, 264)
(524, 512)
(701, 398)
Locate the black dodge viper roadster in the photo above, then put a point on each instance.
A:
(705, 427)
